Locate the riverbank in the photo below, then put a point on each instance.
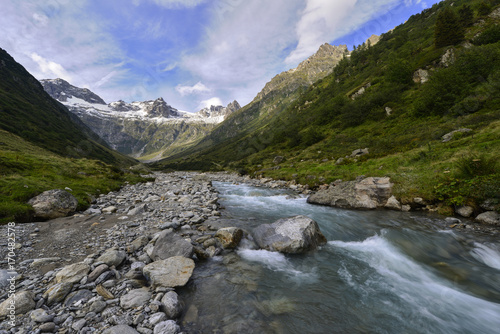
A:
(125, 224)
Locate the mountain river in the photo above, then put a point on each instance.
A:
(380, 272)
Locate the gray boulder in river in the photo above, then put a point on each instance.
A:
(292, 235)
(368, 193)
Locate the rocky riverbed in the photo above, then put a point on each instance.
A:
(107, 270)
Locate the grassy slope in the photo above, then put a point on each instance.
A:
(324, 123)
(27, 170)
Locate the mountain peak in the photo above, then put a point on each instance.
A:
(316, 67)
(62, 90)
(217, 111)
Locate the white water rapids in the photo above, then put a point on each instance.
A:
(380, 272)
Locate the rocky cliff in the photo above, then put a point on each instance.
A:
(307, 72)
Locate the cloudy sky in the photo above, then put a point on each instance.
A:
(190, 52)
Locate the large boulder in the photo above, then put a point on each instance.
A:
(170, 244)
(292, 235)
(53, 204)
(170, 273)
(368, 193)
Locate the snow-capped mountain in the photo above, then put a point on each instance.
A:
(148, 128)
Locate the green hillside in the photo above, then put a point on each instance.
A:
(42, 147)
(376, 99)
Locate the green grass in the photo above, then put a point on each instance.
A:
(27, 170)
(416, 171)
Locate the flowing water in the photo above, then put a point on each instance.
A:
(380, 272)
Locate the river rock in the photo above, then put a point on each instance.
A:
(167, 327)
(393, 204)
(40, 315)
(292, 235)
(489, 218)
(170, 244)
(23, 302)
(112, 257)
(120, 329)
(103, 292)
(97, 272)
(110, 209)
(73, 273)
(172, 306)
(170, 273)
(488, 205)
(138, 210)
(78, 297)
(53, 204)
(48, 327)
(368, 193)
(135, 298)
(229, 237)
(465, 211)
(57, 292)
(43, 261)
(138, 243)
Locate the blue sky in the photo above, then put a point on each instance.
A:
(192, 53)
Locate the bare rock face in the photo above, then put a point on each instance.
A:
(421, 76)
(368, 193)
(292, 235)
(53, 204)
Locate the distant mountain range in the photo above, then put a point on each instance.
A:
(149, 129)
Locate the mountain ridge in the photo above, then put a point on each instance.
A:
(147, 129)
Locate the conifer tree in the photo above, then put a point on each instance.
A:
(449, 30)
(466, 16)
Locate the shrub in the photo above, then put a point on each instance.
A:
(489, 36)
(472, 166)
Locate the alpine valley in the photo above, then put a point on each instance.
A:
(418, 104)
(147, 130)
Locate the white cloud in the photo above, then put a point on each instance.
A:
(214, 101)
(325, 20)
(50, 69)
(243, 46)
(196, 89)
(59, 38)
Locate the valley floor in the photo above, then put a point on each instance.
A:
(184, 202)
